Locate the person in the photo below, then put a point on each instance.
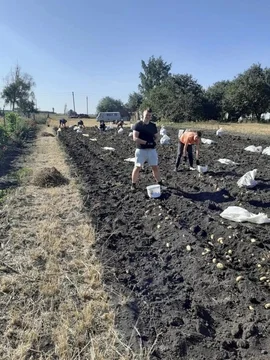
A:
(81, 124)
(145, 136)
(185, 147)
(102, 125)
(62, 123)
(120, 124)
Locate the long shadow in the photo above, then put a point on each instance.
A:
(218, 197)
(258, 203)
(223, 173)
(262, 186)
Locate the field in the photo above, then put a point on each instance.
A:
(162, 254)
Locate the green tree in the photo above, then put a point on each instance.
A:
(215, 104)
(18, 89)
(134, 101)
(179, 98)
(109, 104)
(249, 93)
(154, 73)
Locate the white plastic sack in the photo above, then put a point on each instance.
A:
(109, 148)
(202, 169)
(180, 132)
(266, 151)
(132, 126)
(93, 139)
(207, 141)
(79, 130)
(75, 128)
(238, 214)
(220, 132)
(163, 131)
(255, 149)
(130, 159)
(87, 135)
(248, 180)
(130, 134)
(165, 140)
(227, 162)
(120, 131)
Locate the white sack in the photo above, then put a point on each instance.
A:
(207, 141)
(75, 128)
(220, 132)
(248, 180)
(130, 134)
(108, 148)
(238, 214)
(165, 140)
(163, 131)
(130, 160)
(227, 162)
(266, 151)
(87, 135)
(180, 132)
(255, 149)
(93, 139)
(120, 131)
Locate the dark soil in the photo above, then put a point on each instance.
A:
(49, 177)
(181, 304)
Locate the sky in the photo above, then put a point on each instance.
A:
(95, 48)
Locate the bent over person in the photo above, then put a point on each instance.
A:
(145, 136)
(185, 147)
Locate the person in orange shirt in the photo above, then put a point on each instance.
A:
(185, 147)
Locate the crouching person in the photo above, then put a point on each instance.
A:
(145, 136)
(185, 147)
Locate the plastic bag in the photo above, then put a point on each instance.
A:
(75, 128)
(219, 132)
(248, 180)
(238, 214)
(109, 148)
(227, 162)
(87, 135)
(181, 132)
(202, 169)
(130, 160)
(120, 131)
(266, 151)
(207, 141)
(165, 140)
(255, 149)
(130, 134)
(163, 131)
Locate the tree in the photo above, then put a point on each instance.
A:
(134, 101)
(249, 93)
(215, 105)
(18, 89)
(109, 104)
(179, 98)
(154, 73)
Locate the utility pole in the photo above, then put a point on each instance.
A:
(87, 105)
(73, 101)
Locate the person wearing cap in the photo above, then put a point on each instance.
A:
(185, 148)
(145, 136)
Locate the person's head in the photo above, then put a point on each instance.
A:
(147, 114)
(198, 135)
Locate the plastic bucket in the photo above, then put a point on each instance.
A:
(153, 191)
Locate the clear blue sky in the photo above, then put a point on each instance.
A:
(95, 48)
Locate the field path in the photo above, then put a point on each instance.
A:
(52, 301)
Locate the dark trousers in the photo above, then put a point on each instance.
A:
(180, 153)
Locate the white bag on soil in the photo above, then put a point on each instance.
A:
(130, 160)
(220, 132)
(163, 131)
(202, 169)
(130, 134)
(227, 162)
(120, 131)
(180, 132)
(207, 141)
(238, 214)
(248, 180)
(165, 140)
(255, 149)
(109, 148)
(266, 151)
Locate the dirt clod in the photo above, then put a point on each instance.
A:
(46, 134)
(49, 177)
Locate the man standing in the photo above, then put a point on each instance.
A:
(145, 136)
(186, 141)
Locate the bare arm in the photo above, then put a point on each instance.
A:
(197, 151)
(136, 138)
(185, 150)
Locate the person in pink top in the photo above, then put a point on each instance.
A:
(185, 147)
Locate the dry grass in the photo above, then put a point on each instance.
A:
(52, 300)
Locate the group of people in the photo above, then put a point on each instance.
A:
(145, 136)
(119, 125)
(63, 123)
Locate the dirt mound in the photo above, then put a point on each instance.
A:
(47, 134)
(49, 177)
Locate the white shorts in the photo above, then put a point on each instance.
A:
(143, 155)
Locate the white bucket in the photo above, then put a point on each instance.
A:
(153, 191)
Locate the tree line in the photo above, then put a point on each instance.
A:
(179, 97)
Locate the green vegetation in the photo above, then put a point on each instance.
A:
(180, 98)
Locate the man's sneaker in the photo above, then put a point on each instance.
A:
(175, 169)
(133, 187)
